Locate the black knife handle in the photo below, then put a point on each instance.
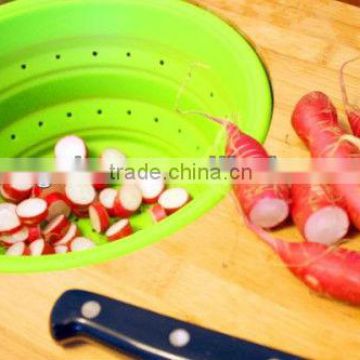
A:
(144, 334)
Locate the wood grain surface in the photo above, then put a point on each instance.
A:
(215, 273)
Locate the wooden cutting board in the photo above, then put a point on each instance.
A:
(215, 273)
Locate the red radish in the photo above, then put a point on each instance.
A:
(318, 214)
(332, 272)
(4, 194)
(315, 121)
(151, 188)
(44, 192)
(40, 247)
(99, 180)
(81, 212)
(67, 151)
(266, 205)
(56, 229)
(107, 198)
(34, 233)
(18, 249)
(352, 111)
(174, 199)
(19, 236)
(18, 185)
(61, 249)
(57, 205)
(80, 244)
(80, 195)
(9, 220)
(128, 200)
(71, 234)
(119, 230)
(32, 211)
(158, 213)
(99, 217)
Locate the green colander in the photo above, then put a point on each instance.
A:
(114, 72)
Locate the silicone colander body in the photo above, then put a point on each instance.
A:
(115, 72)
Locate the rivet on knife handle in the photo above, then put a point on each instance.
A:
(144, 334)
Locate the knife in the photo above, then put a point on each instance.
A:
(144, 334)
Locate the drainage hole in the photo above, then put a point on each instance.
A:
(179, 131)
(69, 114)
(156, 119)
(128, 54)
(99, 112)
(40, 123)
(57, 56)
(162, 62)
(13, 136)
(94, 53)
(23, 66)
(212, 94)
(129, 112)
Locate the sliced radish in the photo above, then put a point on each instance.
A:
(128, 200)
(34, 233)
(9, 220)
(151, 188)
(67, 151)
(80, 212)
(40, 247)
(56, 229)
(100, 180)
(57, 205)
(71, 234)
(158, 213)
(107, 198)
(19, 236)
(119, 230)
(80, 244)
(5, 195)
(32, 211)
(61, 249)
(99, 217)
(80, 195)
(18, 249)
(112, 160)
(174, 199)
(41, 192)
(18, 185)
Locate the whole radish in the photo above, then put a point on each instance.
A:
(332, 272)
(266, 205)
(315, 121)
(352, 111)
(318, 213)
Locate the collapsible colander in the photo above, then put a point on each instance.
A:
(111, 71)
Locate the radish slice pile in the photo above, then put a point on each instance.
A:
(36, 218)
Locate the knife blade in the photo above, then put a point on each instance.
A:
(144, 334)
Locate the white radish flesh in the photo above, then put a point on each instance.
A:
(107, 198)
(112, 159)
(71, 234)
(119, 230)
(174, 199)
(151, 188)
(99, 217)
(40, 247)
(67, 151)
(269, 211)
(80, 195)
(19, 236)
(9, 220)
(327, 225)
(80, 244)
(18, 249)
(18, 185)
(57, 205)
(32, 211)
(61, 249)
(128, 200)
